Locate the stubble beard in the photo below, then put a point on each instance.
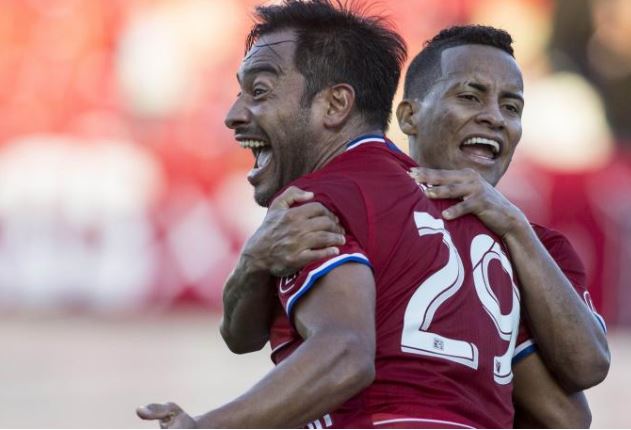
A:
(295, 157)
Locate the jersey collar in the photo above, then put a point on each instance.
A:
(366, 138)
(371, 138)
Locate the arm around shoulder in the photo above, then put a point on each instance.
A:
(569, 337)
(287, 240)
(248, 306)
(334, 363)
(540, 402)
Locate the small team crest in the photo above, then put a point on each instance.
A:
(287, 282)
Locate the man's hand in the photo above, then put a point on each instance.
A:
(291, 238)
(288, 240)
(479, 198)
(170, 415)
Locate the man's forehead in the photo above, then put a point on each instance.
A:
(277, 47)
(484, 64)
(488, 78)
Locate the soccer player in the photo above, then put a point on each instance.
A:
(462, 113)
(570, 337)
(383, 333)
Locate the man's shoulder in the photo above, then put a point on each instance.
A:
(359, 166)
(562, 251)
(551, 238)
(544, 232)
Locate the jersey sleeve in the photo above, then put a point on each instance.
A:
(569, 262)
(293, 288)
(343, 199)
(525, 342)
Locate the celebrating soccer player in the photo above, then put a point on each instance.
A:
(387, 306)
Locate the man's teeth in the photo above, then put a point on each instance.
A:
(252, 143)
(484, 141)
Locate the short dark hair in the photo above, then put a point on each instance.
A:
(425, 69)
(338, 45)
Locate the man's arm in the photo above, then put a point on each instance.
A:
(288, 239)
(248, 307)
(571, 341)
(336, 360)
(541, 403)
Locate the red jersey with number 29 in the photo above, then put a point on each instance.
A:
(447, 306)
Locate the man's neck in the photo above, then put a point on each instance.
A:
(338, 141)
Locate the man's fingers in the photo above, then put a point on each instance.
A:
(312, 210)
(459, 209)
(428, 176)
(157, 411)
(323, 223)
(294, 195)
(291, 196)
(450, 191)
(322, 239)
(310, 255)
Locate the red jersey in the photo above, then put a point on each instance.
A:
(563, 253)
(447, 307)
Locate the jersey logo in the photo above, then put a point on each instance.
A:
(287, 283)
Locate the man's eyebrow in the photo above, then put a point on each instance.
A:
(263, 68)
(259, 68)
(512, 95)
(505, 94)
(477, 86)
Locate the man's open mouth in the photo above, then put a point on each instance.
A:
(482, 147)
(262, 154)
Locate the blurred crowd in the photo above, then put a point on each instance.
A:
(121, 189)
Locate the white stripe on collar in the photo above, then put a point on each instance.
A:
(365, 139)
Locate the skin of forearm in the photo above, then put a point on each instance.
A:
(572, 413)
(567, 334)
(540, 402)
(579, 418)
(326, 370)
(248, 299)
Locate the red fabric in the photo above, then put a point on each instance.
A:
(563, 253)
(369, 190)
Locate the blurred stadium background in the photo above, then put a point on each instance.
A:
(123, 200)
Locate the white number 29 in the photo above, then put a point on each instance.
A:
(435, 290)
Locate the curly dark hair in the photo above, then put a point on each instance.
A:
(337, 44)
(425, 69)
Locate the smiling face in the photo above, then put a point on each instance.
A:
(471, 117)
(268, 117)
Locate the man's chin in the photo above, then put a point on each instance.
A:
(488, 173)
(263, 198)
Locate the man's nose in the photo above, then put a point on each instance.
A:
(237, 115)
(492, 117)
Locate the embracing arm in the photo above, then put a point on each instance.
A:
(288, 239)
(541, 403)
(248, 307)
(335, 361)
(569, 337)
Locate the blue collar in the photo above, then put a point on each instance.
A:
(365, 139)
(371, 138)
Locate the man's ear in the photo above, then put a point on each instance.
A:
(405, 116)
(340, 101)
